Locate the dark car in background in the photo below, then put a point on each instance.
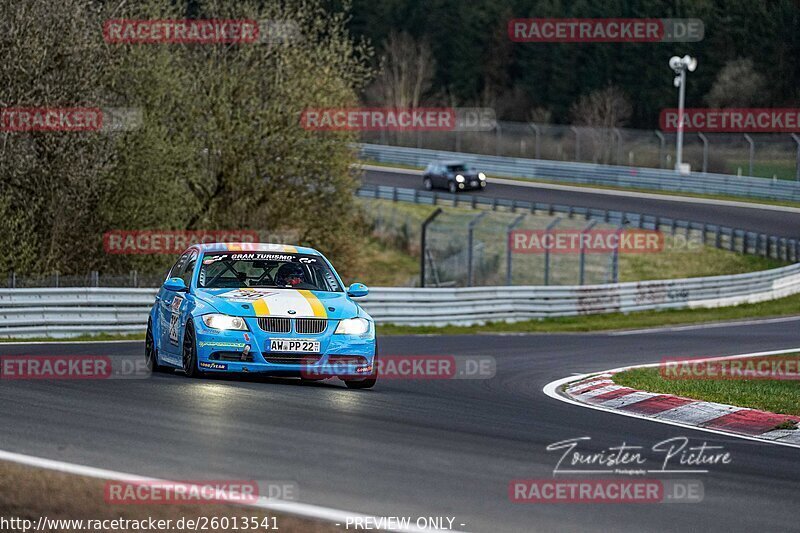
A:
(452, 175)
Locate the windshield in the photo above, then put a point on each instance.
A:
(273, 270)
(459, 168)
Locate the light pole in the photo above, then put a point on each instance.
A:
(680, 65)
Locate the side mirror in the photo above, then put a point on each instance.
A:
(357, 290)
(176, 285)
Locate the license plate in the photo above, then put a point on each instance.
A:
(293, 345)
(473, 183)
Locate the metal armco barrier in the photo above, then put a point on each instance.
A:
(727, 238)
(592, 174)
(48, 312)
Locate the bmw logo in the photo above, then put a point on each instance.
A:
(292, 312)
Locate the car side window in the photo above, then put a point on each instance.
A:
(188, 269)
(177, 268)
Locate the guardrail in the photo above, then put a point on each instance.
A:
(594, 174)
(76, 311)
(724, 237)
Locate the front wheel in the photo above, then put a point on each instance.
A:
(190, 353)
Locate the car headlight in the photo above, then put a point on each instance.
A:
(481, 176)
(460, 178)
(217, 321)
(353, 326)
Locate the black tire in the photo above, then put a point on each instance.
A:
(451, 186)
(189, 353)
(366, 383)
(150, 355)
(427, 183)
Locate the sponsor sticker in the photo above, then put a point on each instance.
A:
(211, 365)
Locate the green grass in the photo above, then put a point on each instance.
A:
(385, 266)
(782, 175)
(784, 170)
(84, 338)
(777, 396)
(683, 263)
(788, 306)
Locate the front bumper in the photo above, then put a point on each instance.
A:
(349, 356)
(471, 185)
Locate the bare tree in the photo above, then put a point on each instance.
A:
(737, 85)
(601, 112)
(407, 69)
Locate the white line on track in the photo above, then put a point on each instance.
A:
(608, 192)
(66, 340)
(553, 390)
(711, 325)
(282, 506)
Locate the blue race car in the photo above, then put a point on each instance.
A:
(269, 308)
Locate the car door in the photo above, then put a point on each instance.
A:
(441, 177)
(174, 307)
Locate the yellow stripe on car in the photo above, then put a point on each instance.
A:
(316, 305)
(260, 307)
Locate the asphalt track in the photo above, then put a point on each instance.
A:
(409, 448)
(771, 222)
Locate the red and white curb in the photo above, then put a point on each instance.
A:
(598, 391)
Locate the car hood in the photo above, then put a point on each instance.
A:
(290, 303)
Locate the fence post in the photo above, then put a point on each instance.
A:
(509, 229)
(537, 133)
(549, 227)
(615, 256)
(705, 150)
(588, 227)
(797, 162)
(470, 235)
(661, 143)
(752, 151)
(618, 151)
(577, 143)
(423, 232)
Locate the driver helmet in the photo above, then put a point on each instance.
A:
(290, 274)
